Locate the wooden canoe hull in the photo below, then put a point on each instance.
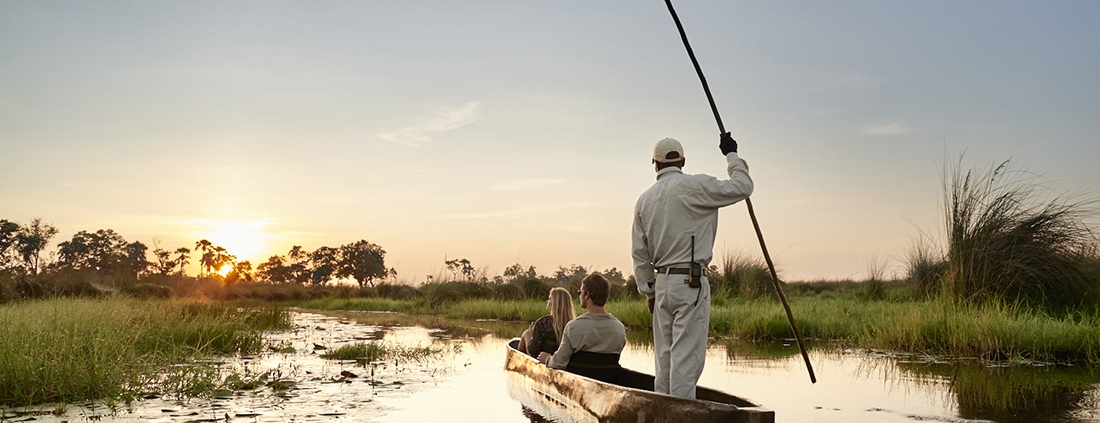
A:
(563, 396)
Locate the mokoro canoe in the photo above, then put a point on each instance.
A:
(567, 397)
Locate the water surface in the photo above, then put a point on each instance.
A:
(467, 382)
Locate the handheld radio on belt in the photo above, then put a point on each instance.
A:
(695, 275)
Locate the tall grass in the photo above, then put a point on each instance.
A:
(69, 350)
(365, 304)
(518, 310)
(926, 267)
(990, 330)
(741, 275)
(499, 310)
(1010, 239)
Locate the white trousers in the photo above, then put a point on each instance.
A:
(681, 319)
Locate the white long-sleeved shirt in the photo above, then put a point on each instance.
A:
(676, 207)
(598, 333)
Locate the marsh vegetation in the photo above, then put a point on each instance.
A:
(68, 350)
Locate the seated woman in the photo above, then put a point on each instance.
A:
(593, 342)
(544, 335)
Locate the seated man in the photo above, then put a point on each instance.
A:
(593, 341)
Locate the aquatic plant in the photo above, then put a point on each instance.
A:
(375, 351)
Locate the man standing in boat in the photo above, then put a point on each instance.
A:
(591, 343)
(675, 222)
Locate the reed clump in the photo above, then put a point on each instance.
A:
(70, 350)
(367, 351)
(375, 351)
(742, 276)
(1011, 240)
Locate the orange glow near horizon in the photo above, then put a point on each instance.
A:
(246, 240)
(225, 270)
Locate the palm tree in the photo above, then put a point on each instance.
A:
(181, 258)
(206, 261)
(204, 247)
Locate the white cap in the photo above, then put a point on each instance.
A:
(668, 150)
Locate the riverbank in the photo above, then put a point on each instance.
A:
(989, 331)
(117, 348)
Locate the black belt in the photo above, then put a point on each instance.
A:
(677, 271)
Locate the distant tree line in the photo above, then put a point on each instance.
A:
(105, 257)
(106, 252)
(515, 283)
(102, 251)
(361, 260)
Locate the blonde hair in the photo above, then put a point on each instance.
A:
(561, 309)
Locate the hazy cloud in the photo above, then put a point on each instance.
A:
(524, 184)
(889, 129)
(515, 212)
(445, 120)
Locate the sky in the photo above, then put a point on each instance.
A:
(511, 132)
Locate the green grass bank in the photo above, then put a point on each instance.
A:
(115, 348)
(990, 331)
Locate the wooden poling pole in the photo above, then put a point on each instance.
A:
(748, 201)
(779, 290)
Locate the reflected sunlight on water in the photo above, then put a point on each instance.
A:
(468, 383)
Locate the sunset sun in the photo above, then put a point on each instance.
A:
(246, 240)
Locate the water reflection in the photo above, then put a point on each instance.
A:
(856, 386)
(439, 328)
(532, 416)
(970, 390)
(469, 385)
(1013, 394)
